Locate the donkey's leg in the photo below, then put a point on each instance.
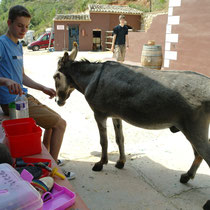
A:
(197, 134)
(120, 142)
(101, 122)
(207, 205)
(192, 171)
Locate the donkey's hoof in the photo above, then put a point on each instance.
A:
(207, 205)
(97, 167)
(184, 178)
(119, 164)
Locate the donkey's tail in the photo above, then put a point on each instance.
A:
(208, 107)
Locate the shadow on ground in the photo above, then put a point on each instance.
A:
(142, 184)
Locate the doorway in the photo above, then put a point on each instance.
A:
(73, 35)
(97, 40)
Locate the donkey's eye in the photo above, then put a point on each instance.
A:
(62, 94)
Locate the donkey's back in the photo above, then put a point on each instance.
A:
(150, 98)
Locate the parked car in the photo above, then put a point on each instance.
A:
(28, 38)
(42, 42)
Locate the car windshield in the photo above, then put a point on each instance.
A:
(39, 38)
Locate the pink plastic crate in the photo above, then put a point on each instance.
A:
(59, 199)
(17, 193)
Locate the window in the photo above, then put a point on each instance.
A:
(46, 37)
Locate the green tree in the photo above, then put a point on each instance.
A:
(43, 11)
(3, 27)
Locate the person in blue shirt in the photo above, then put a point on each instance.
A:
(12, 86)
(13, 77)
(120, 39)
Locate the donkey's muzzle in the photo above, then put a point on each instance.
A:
(60, 103)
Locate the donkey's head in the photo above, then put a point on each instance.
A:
(63, 84)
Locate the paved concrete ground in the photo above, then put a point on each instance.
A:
(155, 159)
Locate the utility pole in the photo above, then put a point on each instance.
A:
(150, 4)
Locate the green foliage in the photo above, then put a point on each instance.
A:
(157, 5)
(3, 27)
(140, 7)
(82, 5)
(43, 11)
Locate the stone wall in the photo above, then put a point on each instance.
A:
(188, 36)
(147, 19)
(155, 32)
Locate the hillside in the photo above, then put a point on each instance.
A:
(43, 11)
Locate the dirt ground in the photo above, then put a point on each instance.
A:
(155, 159)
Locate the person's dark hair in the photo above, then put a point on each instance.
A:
(5, 156)
(18, 11)
(122, 17)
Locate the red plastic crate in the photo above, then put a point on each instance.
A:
(23, 137)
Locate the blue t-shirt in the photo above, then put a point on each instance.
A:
(11, 66)
(120, 32)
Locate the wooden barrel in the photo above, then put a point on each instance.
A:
(152, 56)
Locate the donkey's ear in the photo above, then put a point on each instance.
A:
(74, 51)
(65, 57)
(57, 76)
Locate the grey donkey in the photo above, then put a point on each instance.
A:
(151, 99)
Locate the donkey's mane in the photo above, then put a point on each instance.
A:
(84, 60)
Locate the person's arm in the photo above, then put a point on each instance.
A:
(27, 81)
(113, 42)
(127, 41)
(126, 38)
(13, 87)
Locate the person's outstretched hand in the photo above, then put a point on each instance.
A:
(13, 87)
(49, 91)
